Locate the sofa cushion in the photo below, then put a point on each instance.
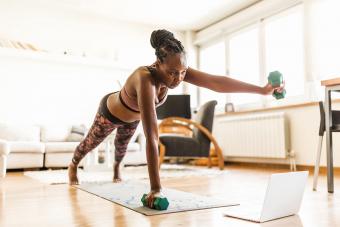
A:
(26, 147)
(60, 147)
(12, 132)
(54, 133)
(182, 146)
(74, 137)
(77, 133)
(25, 160)
(79, 129)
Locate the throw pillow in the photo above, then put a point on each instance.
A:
(77, 133)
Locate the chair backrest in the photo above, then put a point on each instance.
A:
(205, 117)
(335, 120)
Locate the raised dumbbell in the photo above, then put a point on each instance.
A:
(160, 203)
(275, 78)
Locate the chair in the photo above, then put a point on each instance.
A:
(335, 128)
(194, 144)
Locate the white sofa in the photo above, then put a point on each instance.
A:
(33, 146)
(58, 151)
(20, 147)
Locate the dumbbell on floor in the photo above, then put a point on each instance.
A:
(160, 203)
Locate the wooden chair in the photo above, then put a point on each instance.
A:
(190, 138)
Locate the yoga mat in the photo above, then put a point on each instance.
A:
(129, 193)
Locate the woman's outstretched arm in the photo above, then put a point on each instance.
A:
(225, 84)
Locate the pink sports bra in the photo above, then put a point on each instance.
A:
(131, 103)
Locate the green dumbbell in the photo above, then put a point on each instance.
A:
(160, 203)
(276, 79)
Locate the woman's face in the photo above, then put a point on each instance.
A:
(173, 70)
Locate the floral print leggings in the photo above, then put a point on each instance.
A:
(104, 123)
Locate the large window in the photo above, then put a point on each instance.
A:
(274, 43)
(212, 60)
(284, 49)
(244, 62)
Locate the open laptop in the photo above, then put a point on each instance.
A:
(283, 198)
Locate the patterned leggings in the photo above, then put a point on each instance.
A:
(100, 129)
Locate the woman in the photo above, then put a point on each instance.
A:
(145, 89)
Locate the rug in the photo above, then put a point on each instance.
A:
(128, 173)
(129, 193)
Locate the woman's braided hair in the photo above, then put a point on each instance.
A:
(165, 43)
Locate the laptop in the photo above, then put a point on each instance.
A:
(283, 198)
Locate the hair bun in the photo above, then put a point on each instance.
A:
(159, 36)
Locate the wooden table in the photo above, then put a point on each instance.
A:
(330, 85)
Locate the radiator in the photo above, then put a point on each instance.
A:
(254, 135)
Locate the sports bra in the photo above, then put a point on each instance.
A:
(131, 103)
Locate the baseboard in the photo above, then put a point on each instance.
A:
(322, 170)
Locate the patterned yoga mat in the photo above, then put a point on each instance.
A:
(129, 193)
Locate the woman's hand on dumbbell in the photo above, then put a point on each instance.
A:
(269, 89)
(152, 195)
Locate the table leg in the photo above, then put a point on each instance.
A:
(329, 144)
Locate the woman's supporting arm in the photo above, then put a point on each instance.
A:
(146, 96)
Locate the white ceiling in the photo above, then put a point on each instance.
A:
(175, 14)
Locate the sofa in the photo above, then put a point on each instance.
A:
(49, 146)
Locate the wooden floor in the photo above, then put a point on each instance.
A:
(26, 202)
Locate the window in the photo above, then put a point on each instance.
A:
(212, 61)
(273, 43)
(244, 63)
(284, 49)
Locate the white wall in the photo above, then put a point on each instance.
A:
(58, 29)
(51, 88)
(304, 136)
(50, 91)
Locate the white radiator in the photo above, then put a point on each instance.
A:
(254, 135)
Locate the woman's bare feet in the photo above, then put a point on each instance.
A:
(72, 174)
(116, 173)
